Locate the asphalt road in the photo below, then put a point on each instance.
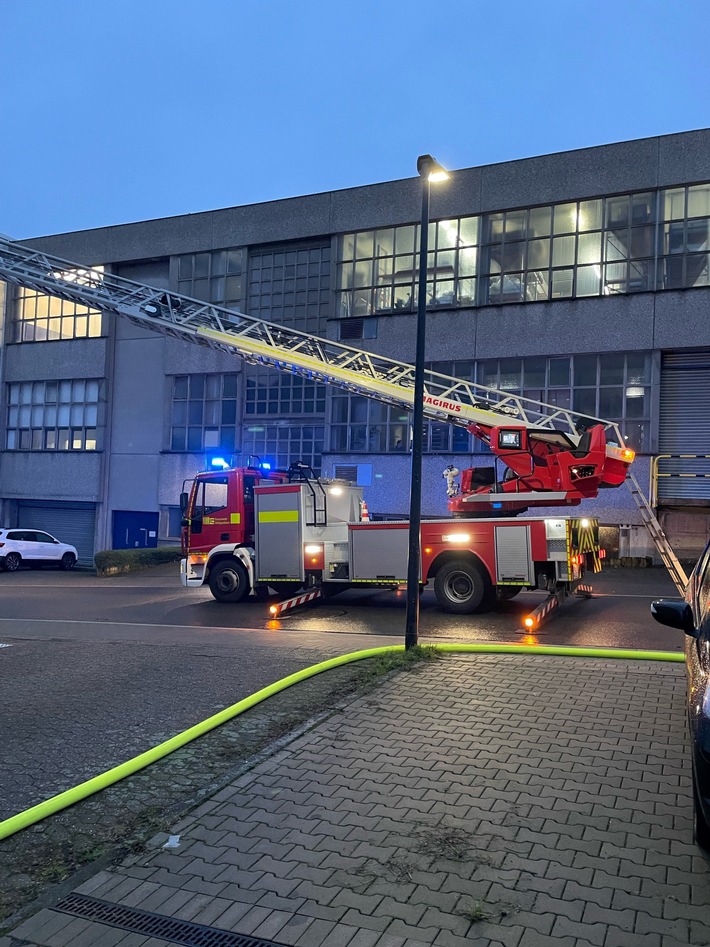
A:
(99, 670)
(617, 616)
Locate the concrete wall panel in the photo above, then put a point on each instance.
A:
(609, 169)
(684, 158)
(138, 397)
(43, 361)
(560, 328)
(134, 482)
(682, 320)
(52, 475)
(184, 358)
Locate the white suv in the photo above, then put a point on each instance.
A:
(35, 549)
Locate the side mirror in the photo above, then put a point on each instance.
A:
(184, 497)
(676, 615)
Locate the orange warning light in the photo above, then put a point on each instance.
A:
(529, 622)
(273, 609)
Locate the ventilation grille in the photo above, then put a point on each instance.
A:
(156, 925)
(345, 472)
(351, 329)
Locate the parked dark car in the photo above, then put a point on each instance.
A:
(693, 616)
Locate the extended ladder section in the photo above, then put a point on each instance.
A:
(445, 398)
(665, 551)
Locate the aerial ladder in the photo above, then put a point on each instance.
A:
(552, 456)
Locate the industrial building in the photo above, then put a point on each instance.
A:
(581, 279)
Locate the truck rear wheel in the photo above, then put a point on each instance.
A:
(461, 588)
(229, 581)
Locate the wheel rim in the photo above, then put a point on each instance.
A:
(68, 560)
(459, 587)
(228, 581)
(12, 562)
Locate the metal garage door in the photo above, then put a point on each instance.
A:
(685, 426)
(72, 523)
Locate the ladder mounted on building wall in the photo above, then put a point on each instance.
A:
(665, 550)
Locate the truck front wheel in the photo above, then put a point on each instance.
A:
(461, 588)
(228, 581)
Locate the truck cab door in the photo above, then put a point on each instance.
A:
(209, 517)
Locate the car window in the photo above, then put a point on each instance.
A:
(44, 538)
(18, 535)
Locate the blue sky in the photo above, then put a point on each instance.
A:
(133, 109)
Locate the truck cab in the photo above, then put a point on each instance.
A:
(219, 507)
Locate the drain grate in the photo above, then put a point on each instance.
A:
(156, 925)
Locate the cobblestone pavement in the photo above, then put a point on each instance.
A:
(488, 800)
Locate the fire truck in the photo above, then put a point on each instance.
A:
(305, 537)
(247, 530)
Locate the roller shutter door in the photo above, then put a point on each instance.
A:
(72, 523)
(685, 426)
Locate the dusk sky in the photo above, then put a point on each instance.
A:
(128, 110)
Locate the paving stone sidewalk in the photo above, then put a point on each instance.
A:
(487, 800)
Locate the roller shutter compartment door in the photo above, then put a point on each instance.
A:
(72, 523)
(685, 426)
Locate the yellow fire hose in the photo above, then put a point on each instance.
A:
(65, 799)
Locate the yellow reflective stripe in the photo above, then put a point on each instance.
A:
(280, 516)
(235, 518)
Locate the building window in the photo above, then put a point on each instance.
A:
(204, 413)
(213, 277)
(686, 237)
(574, 249)
(602, 246)
(361, 425)
(40, 318)
(378, 270)
(291, 286)
(614, 387)
(282, 443)
(170, 522)
(270, 392)
(55, 415)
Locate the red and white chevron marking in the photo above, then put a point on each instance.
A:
(542, 611)
(585, 590)
(295, 602)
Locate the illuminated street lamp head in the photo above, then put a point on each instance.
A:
(430, 168)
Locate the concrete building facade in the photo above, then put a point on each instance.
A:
(580, 279)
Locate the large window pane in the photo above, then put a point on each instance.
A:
(563, 249)
(565, 218)
(611, 369)
(699, 200)
(559, 372)
(588, 280)
(589, 215)
(611, 403)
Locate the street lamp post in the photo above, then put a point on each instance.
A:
(429, 170)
